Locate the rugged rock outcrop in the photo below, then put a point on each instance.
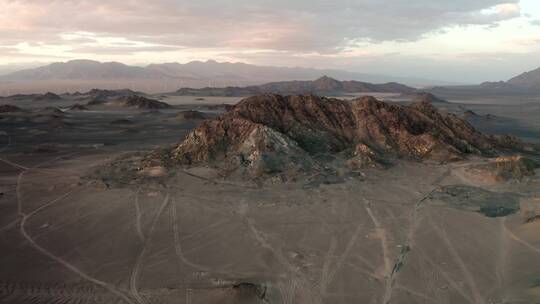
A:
(271, 133)
(131, 101)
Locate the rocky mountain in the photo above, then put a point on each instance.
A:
(321, 86)
(529, 79)
(272, 134)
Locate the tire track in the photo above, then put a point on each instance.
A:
(326, 265)
(59, 293)
(138, 216)
(299, 285)
(21, 167)
(345, 255)
(177, 242)
(136, 268)
(418, 294)
(381, 232)
(61, 261)
(446, 277)
(209, 227)
(9, 225)
(502, 254)
(469, 278)
(514, 237)
(406, 247)
(26, 170)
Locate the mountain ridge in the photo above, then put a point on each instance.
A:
(321, 86)
(530, 79)
(525, 84)
(83, 75)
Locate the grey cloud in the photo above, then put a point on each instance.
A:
(302, 25)
(536, 22)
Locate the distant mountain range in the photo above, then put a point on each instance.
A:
(233, 78)
(324, 86)
(524, 85)
(528, 79)
(83, 75)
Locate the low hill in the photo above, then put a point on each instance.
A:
(132, 101)
(322, 86)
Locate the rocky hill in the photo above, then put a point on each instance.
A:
(270, 134)
(96, 94)
(130, 101)
(322, 86)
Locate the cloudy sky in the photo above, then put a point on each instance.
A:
(458, 40)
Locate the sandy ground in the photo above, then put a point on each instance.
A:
(377, 238)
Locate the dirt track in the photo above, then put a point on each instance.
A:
(346, 242)
(200, 239)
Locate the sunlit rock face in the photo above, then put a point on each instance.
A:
(272, 133)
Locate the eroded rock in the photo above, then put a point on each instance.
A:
(270, 133)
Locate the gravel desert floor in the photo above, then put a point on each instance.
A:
(398, 235)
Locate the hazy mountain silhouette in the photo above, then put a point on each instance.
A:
(529, 79)
(526, 84)
(83, 75)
